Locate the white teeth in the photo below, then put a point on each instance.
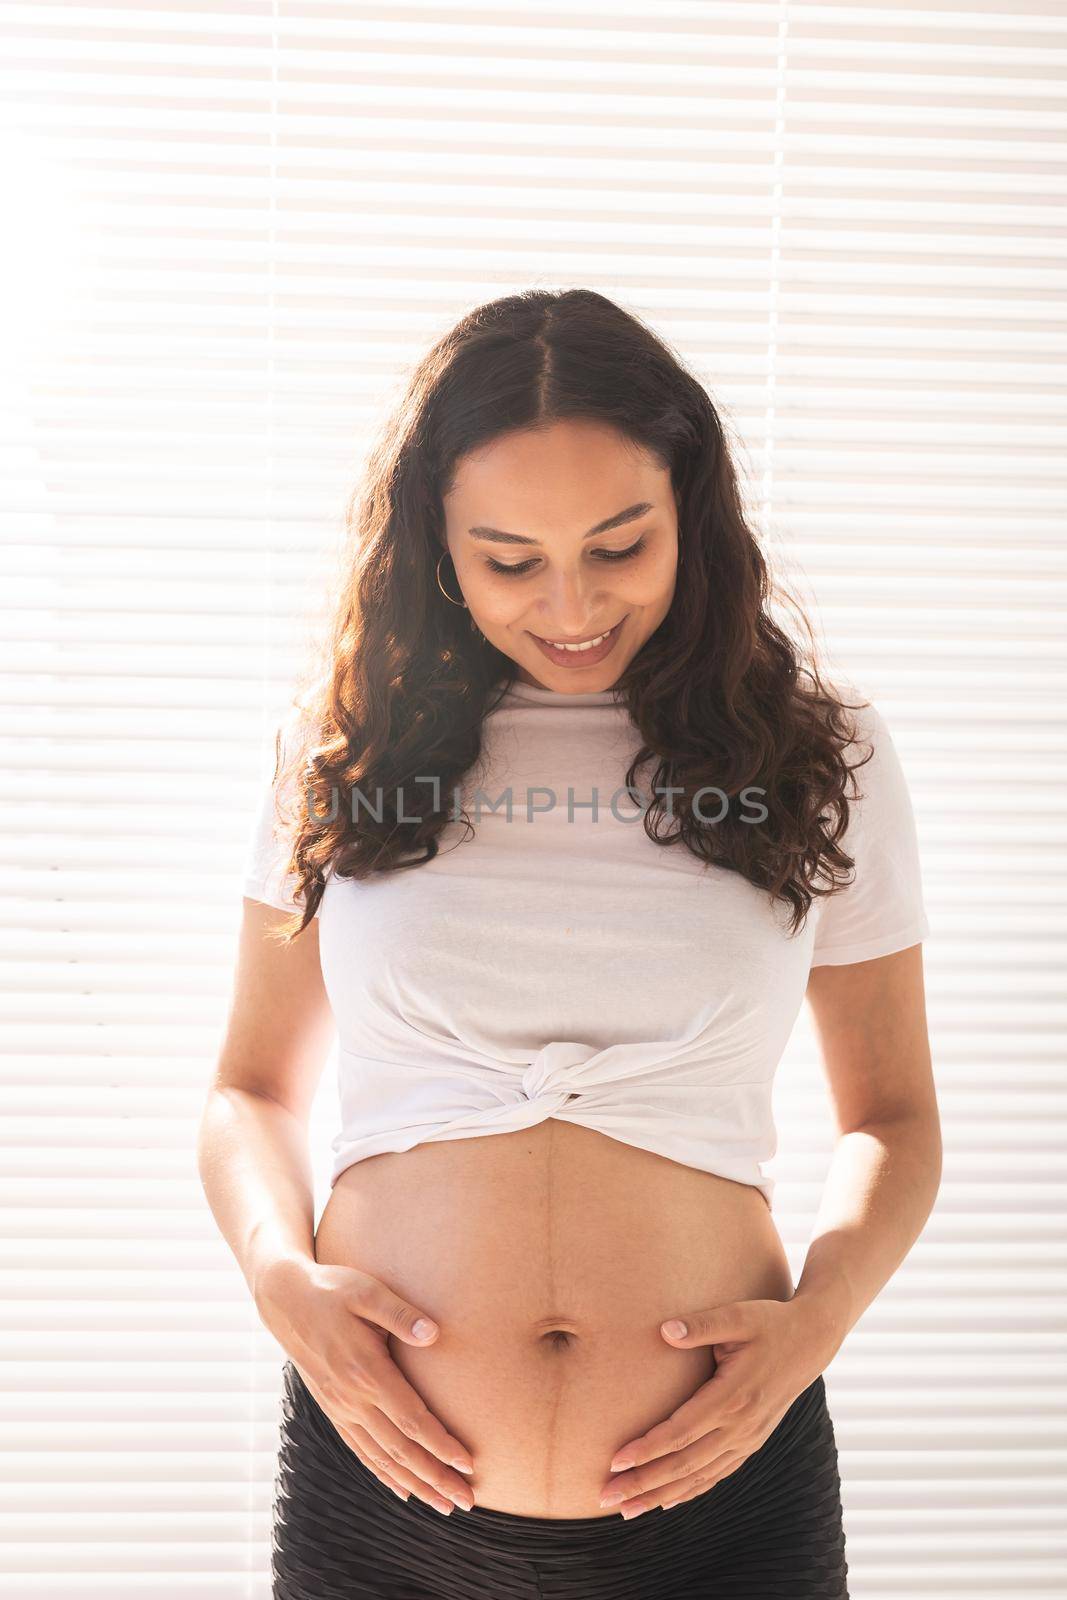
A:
(589, 644)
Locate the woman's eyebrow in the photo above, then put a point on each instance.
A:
(631, 514)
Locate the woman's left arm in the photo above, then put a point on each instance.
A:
(870, 1019)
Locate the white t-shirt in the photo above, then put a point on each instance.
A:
(561, 964)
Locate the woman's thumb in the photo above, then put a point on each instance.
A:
(413, 1326)
(375, 1300)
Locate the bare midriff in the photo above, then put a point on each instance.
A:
(549, 1257)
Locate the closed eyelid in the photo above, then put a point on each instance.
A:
(607, 556)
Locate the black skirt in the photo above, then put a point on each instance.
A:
(772, 1528)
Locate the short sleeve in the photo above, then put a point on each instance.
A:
(882, 909)
(268, 842)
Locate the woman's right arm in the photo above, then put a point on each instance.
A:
(253, 1146)
(255, 1168)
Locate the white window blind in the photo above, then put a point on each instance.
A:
(229, 228)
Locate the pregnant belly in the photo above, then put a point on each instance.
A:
(548, 1258)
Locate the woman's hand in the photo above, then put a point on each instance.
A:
(334, 1323)
(767, 1352)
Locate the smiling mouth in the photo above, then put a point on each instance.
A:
(578, 646)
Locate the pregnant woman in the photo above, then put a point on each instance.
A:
(563, 829)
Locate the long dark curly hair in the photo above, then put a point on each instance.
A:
(720, 694)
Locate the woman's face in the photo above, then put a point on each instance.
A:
(527, 528)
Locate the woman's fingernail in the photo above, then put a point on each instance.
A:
(423, 1329)
(676, 1329)
(462, 1466)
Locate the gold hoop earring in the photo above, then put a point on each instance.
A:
(442, 588)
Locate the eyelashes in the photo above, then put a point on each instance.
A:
(604, 555)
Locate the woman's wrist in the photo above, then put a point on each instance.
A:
(827, 1305)
(270, 1261)
(278, 1288)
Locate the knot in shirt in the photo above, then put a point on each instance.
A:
(550, 1074)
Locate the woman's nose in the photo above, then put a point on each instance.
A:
(569, 604)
